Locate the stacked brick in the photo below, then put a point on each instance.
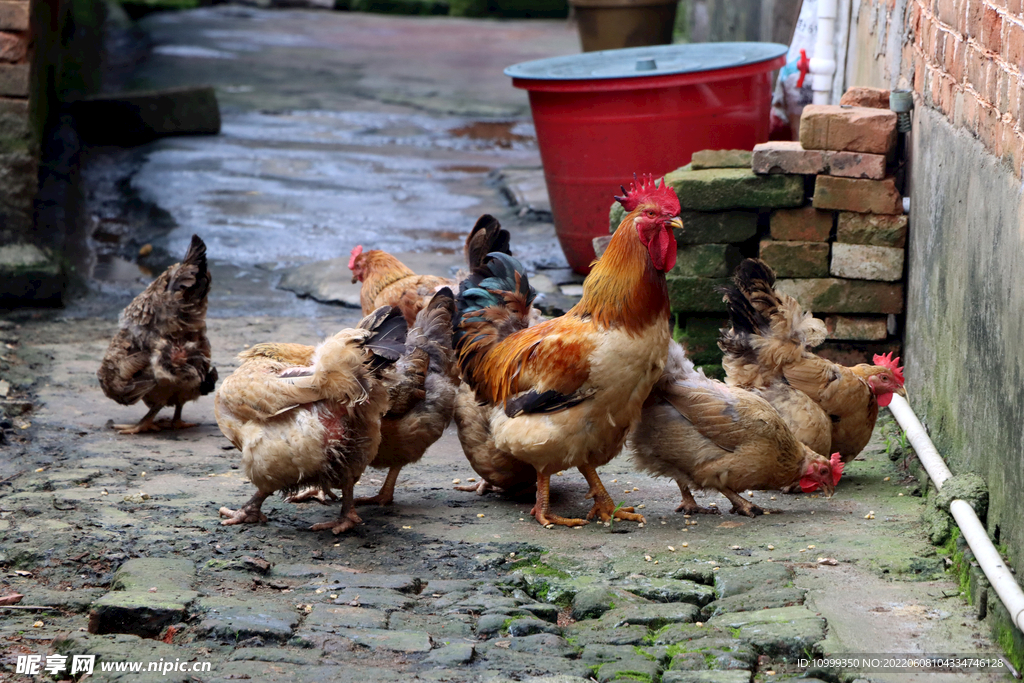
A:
(17, 153)
(823, 212)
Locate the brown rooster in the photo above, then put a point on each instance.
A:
(704, 433)
(850, 396)
(565, 392)
(310, 416)
(161, 354)
(389, 282)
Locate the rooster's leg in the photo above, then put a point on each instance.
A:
(348, 517)
(689, 505)
(249, 513)
(604, 506)
(386, 496)
(741, 506)
(542, 508)
(321, 494)
(144, 425)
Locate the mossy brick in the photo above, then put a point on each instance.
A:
(787, 157)
(851, 129)
(236, 619)
(866, 262)
(14, 46)
(162, 573)
(593, 601)
(855, 165)
(704, 227)
(862, 96)
(880, 230)
(806, 224)
(833, 295)
(15, 126)
(721, 158)
(14, 15)
(738, 676)
(669, 590)
(857, 328)
(755, 600)
(14, 80)
(731, 581)
(626, 669)
(697, 294)
(718, 189)
(653, 616)
(706, 260)
(855, 194)
(141, 613)
(784, 631)
(381, 639)
(796, 259)
(699, 336)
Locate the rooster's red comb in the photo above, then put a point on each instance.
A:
(837, 468)
(356, 251)
(646, 188)
(887, 361)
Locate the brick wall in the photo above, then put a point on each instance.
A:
(18, 149)
(968, 58)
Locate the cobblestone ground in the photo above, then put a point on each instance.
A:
(114, 541)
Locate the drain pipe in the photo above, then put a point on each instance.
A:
(996, 571)
(823, 63)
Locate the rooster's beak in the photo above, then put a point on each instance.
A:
(676, 223)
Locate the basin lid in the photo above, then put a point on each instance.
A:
(656, 60)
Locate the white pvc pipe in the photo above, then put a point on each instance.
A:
(823, 63)
(996, 571)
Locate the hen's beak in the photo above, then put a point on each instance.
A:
(902, 392)
(676, 223)
(354, 279)
(828, 488)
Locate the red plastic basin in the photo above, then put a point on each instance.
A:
(603, 116)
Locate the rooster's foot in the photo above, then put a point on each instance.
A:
(340, 526)
(695, 509)
(247, 515)
(321, 495)
(479, 489)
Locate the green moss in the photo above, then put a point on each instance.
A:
(637, 675)
(735, 632)
(1011, 641)
(644, 653)
(532, 566)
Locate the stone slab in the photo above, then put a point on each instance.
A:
(136, 117)
(669, 590)
(731, 581)
(374, 598)
(234, 619)
(833, 295)
(143, 573)
(393, 641)
(402, 583)
(654, 616)
(330, 618)
(14, 15)
(438, 626)
(796, 259)
(706, 677)
(861, 328)
(755, 600)
(721, 158)
(139, 613)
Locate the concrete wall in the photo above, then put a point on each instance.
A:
(964, 340)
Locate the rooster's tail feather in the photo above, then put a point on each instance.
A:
(487, 237)
(433, 330)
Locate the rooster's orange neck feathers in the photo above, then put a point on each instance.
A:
(624, 289)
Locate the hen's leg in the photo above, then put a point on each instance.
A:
(249, 513)
(319, 494)
(146, 424)
(689, 505)
(386, 496)
(741, 506)
(348, 517)
(542, 508)
(176, 422)
(604, 506)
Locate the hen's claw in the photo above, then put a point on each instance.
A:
(138, 428)
(245, 515)
(321, 495)
(479, 489)
(339, 526)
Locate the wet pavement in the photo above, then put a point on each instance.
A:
(342, 129)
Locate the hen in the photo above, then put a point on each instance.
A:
(161, 354)
(308, 416)
(850, 396)
(386, 281)
(565, 392)
(704, 433)
(422, 396)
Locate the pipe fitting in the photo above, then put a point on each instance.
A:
(902, 102)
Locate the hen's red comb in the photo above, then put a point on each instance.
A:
(646, 188)
(837, 468)
(356, 251)
(887, 361)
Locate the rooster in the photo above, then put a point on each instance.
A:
(310, 416)
(850, 396)
(704, 433)
(386, 281)
(161, 354)
(565, 392)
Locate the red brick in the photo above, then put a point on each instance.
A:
(988, 126)
(976, 69)
(1017, 154)
(852, 194)
(14, 47)
(945, 10)
(1013, 99)
(14, 15)
(856, 165)
(971, 108)
(975, 11)
(796, 259)
(992, 82)
(860, 328)
(876, 98)
(991, 29)
(14, 80)
(1007, 134)
(805, 224)
(919, 73)
(1003, 90)
(784, 156)
(939, 46)
(955, 59)
(1013, 48)
(867, 262)
(1014, 6)
(872, 228)
(832, 295)
(853, 129)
